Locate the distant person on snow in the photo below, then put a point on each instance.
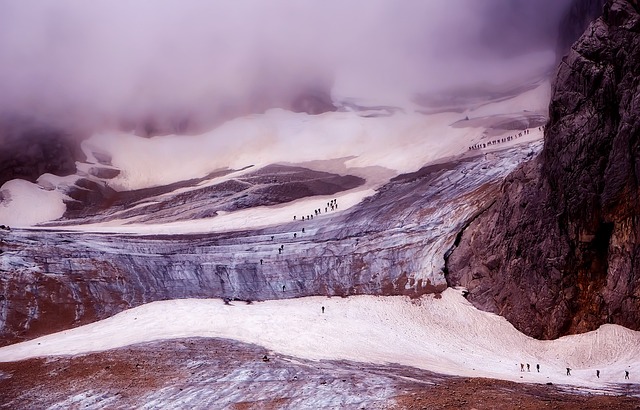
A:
(626, 374)
(283, 287)
(568, 371)
(528, 368)
(323, 309)
(598, 374)
(538, 367)
(522, 367)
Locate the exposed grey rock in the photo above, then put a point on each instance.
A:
(559, 252)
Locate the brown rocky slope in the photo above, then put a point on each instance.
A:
(559, 252)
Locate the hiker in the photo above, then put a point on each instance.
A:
(260, 261)
(283, 287)
(279, 251)
(528, 368)
(522, 367)
(626, 374)
(538, 367)
(568, 371)
(302, 230)
(272, 237)
(323, 309)
(294, 235)
(294, 217)
(598, 374)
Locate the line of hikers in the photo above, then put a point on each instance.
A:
(626, 373)
(501, 140)
(522, 365)
(333, 205)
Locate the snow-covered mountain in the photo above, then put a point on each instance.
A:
(301, 249)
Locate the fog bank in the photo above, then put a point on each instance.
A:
(109, 64)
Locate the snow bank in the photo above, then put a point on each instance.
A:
(445, 335)
(23, 203)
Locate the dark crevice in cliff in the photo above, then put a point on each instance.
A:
(458, 238)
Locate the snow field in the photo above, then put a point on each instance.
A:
(401, 143)
(23, 203)
(445, 335)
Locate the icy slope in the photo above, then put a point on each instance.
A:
(443, 334)
(392, 242)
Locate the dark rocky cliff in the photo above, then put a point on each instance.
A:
(559, 252)
(577, 18)
(30, 150)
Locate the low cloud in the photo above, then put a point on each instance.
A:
(114, 64)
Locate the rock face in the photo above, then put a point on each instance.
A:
(559, 252)
(578, 17)
(94, 202)
(29, 151)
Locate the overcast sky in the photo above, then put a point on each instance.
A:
(96, 62)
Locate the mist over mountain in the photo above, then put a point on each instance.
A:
(87, 65)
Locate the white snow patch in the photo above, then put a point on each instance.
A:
(446, 335)
(23, 203)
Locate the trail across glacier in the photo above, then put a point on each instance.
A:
(441, 334)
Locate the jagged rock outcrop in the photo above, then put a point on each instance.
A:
(577, 18)
(559, 252)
